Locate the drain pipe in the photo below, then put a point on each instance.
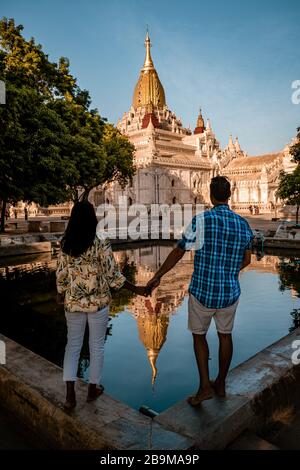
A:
(145, 410)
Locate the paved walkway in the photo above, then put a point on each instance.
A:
(262, 222)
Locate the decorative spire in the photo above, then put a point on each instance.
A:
(208, 126)
(148, 88)
(230, 143)
(152, 356)
(148, 63)
(200, 124)
(237, 145)
(150, 127)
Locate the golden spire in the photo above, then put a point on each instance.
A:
(148, 63)
(152, 356)
(152, 330)
(148, 89)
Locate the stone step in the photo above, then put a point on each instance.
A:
(250, 441)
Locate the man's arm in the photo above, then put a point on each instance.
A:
(247, 259)
(168, 264)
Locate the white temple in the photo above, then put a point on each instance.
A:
(175, 165)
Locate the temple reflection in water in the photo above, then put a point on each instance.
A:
(153, 313)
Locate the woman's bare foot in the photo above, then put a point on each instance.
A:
(219, 387)
(94, 392)
(69, 405)
(203, 394)
(70, 402)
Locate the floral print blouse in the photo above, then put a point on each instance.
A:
(87, 279)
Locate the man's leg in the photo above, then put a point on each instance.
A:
(224, 319)
(225, 356)
(205, 390)
(199, 319)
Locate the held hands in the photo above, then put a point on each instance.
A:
(142, 290)
(147, 290)
(153, 283)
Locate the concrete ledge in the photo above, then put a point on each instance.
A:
(252, 396)
(211, 426)
(32, 388)
(279, 243)
(25, 248)
(16, 245)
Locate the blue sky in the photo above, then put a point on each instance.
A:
(235, 59)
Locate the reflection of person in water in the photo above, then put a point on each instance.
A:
(214, 289)
(86, 273)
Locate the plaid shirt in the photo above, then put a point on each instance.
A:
(219, 238)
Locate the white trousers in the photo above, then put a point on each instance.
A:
(76, 323)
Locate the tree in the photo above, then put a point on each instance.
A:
(51, 142)
(289, 276)
(97, 151)
(295, 149)
(289, 183)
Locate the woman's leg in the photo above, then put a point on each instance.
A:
(97, 332)
(76, 322)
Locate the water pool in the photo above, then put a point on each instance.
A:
(149, 356)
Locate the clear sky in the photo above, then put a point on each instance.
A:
(235, 59)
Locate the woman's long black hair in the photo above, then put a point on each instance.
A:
(81, 230)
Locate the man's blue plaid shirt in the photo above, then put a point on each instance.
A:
(222, 237)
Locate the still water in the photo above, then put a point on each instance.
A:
(149, 356)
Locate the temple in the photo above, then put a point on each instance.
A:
(175, 164)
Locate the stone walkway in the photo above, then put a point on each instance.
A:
(259, 222)
(262, 222)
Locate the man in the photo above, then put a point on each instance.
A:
(223, 250)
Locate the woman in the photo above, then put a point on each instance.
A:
(86, 273)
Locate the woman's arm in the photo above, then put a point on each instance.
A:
(115, 278)
(139, 290)
(62, 278)
(168, 264)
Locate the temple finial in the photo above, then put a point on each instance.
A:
(148, 64)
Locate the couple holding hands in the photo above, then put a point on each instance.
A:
(87, 272)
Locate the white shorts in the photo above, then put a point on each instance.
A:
(199, 317)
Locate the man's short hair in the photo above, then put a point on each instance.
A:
(220, 188)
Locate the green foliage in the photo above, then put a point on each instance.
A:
(289, 183)
(295, 150)
(289, 187)
(289, 276)
(51, 143)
